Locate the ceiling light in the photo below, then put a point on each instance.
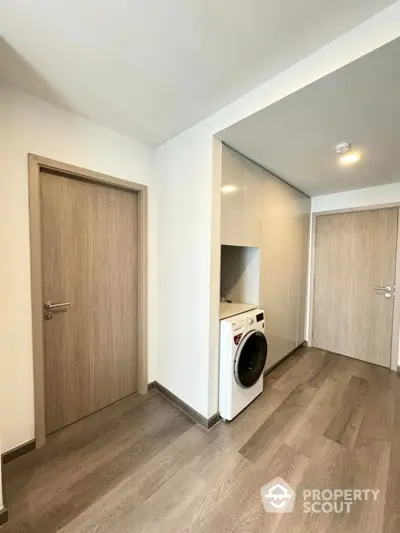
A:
(349, 159)
(347, 155)
(227, 189)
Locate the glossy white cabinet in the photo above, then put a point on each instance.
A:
(292, 268)
(241, 201)
(274, 268)
(304, 206)
(283, 271)
(258, 209)
(298, 259)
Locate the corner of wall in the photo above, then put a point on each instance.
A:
(215, 270)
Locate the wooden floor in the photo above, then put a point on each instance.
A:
(323, 421)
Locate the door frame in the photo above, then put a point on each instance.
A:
(35, 165)
(394, 357)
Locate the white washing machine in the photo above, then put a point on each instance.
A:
(243, 355)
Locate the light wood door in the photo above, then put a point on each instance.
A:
(89, 253)
(354, 253)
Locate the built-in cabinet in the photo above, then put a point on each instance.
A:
(283, 271)
(241, 200)
(275, 217)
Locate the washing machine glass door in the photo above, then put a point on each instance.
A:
(250, 358)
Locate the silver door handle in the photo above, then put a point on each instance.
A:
(384, 289)
(51, 305)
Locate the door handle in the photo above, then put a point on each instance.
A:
(50, 305)
(388, 291)
(384, 289)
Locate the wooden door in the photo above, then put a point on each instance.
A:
(90, 260)
(355, 252)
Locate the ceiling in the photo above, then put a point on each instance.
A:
(296, 137)
(152, 68)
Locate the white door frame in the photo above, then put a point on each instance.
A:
(394, 364)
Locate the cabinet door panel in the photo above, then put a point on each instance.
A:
(240, 200)
(252, 204)
(232, 198)
(273, 278)
(293, 267)
(283, 274)
(305, 204)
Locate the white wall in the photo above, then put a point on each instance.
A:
(184, 278)
(28, 124)
(190, 242)
(372, 196)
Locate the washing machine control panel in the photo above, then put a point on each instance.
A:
(237, 330)
(245, 324)
(236, 326)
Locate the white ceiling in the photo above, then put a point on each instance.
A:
(152, 68)
(296, 137)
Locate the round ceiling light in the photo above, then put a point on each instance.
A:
(347, 155)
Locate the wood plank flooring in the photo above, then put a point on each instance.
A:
(323, 422)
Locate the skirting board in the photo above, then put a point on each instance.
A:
(304, 343)
(17, 452)
(3, 516)
(206, 423)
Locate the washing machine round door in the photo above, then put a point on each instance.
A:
(250, 358)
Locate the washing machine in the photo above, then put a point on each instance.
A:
(243, 356)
